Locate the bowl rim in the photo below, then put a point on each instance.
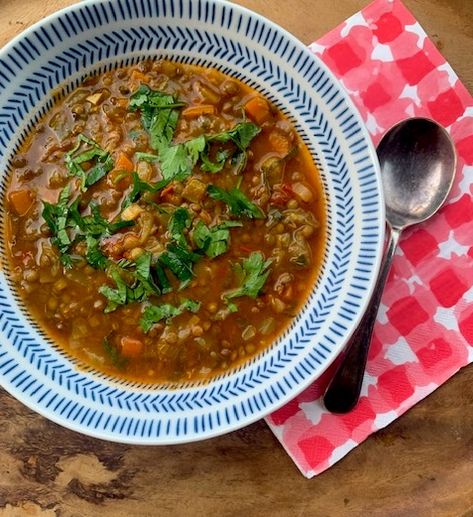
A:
(335, 352)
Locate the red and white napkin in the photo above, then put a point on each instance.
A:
(424, 332)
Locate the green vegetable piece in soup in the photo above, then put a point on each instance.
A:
(159, 114)
(237, 202)
(155, 313)
(180, 221)
(254, 272)
(214, 241)
(87, 150)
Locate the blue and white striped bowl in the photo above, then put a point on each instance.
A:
(98, 35)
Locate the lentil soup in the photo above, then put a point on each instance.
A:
(164, 222)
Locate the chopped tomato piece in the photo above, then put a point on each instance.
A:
(131, 347)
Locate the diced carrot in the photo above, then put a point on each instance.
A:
(131, 347)
(246, 249)
(258, 110)
(198, 110)
(136, 75)
(21, 200)
(279, 142)
(123, 163)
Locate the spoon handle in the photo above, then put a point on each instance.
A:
(344, 389)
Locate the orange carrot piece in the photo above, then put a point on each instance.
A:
(258, 110)
(279, 142)
(131, 347)
(21, 201)
(198, 110)
(124, 163)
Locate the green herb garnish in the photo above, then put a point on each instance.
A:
(213, 240)
(115, 357)
(56, 217)
(140, 187)
(237, 202)
(179, 261)
(180, 221)
(253, 273)
(178, 161)
(159, 114)
(87, 150)
(155, 313)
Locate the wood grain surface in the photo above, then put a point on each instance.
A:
(422, 465)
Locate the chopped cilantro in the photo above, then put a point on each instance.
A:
(179, 261)
(140, 187)
(117, 296)
(96, 225)
(87, 150)
(56, 217)
(141, 288)
(115, 357)
(178, 161)
(237, 202)
(209, 166)
(180, 221)
(94, 255)
(160, 279)
(213, 240)
(146, 157)
(159, 114)
(155, 313)
(241, 135)
(253, 273)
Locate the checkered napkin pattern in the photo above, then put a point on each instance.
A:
(424, 331)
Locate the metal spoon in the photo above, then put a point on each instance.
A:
(418, 161)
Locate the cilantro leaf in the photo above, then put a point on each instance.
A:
(254, 272)
(117, 296)
(241, 135)
(160, 279)
(213, 167)
(140, 187)
(115, 357)
(179, 261)
(214, 240)
(237, 202)
(56, 217)
(155, 313)
(141, 280)
(159, 114)
(178, 161)
(180, 220)
(87, 150)
(144, 280)
(94, 255)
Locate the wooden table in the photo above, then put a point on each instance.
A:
(421, 465)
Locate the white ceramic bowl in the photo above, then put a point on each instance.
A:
(94, 36)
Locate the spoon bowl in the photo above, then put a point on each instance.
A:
(418, 162)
